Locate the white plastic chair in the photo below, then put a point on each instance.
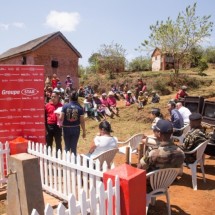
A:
(185, 130)
(132, 143)
(160, 180)
(199, 150)
(107, 156)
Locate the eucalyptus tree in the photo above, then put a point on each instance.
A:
(179, 37)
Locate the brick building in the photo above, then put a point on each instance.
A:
(53, 51)
(161, 61)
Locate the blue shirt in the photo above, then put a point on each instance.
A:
(72, 112)
(176, 118)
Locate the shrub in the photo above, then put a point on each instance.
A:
(140, 64)
(161, 86)
(202, 66)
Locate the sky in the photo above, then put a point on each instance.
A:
(88, 24)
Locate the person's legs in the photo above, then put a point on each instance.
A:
(74, 140)
(71, 136)
(66, 137)
(57, 136)
(50, 135)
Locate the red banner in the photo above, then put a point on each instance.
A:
(22, 103)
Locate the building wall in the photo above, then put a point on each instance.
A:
(156, 60)
(156, 63)
(54, 50)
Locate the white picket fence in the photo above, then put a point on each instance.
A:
(101, 203)
(4, 158)
(66, 174)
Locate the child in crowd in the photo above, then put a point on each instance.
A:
(68, 81)
(129, 99)
(54, 81)
(140, 100)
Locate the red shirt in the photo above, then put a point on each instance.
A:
(111, 101)
(104, 102)
(181, 94)
(50, 115)
(54, 83)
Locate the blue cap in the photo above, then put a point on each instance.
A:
(195, 116)
(163, 126)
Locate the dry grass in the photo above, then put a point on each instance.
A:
(131, 120)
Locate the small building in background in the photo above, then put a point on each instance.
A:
(161, 62)
(53, 51)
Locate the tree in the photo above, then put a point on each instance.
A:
(109, 58)
(140, 64)
(180, 36)
(210, 54)
(94, 62)
(196, 54)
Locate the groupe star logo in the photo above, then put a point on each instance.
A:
(25, 92)
(29, 92)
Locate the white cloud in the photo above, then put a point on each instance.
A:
(19, 24)
(63, 21)
(4, 27)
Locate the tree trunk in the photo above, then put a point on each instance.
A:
(176, 66)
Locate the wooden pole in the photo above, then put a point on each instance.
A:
(140, 150)
(127, 155)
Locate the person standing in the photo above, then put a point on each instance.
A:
(54, 132)
(72, 116)
(54, 81)
(68, 81)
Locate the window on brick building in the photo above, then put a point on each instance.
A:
(54, 63)
(24, 60)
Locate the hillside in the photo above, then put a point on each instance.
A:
(184, 200)
(131, 120)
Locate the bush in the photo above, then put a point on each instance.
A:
(140, 64)
(202, 66)
(161, 86)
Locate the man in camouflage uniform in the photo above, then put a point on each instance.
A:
(194, 137)
(166, 154)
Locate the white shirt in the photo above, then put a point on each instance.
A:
(185, 113)
(155, 121)
(103, 143)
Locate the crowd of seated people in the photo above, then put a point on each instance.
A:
(161, 150)
(104, 105)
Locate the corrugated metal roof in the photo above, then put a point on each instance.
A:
(34, 44)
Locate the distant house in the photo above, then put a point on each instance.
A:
(53, 51)
(161, 62)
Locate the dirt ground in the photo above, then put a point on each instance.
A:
(183, 199)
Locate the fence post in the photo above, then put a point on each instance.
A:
(140, 151)
(132, 188)
(24, 191)
(127, 155)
